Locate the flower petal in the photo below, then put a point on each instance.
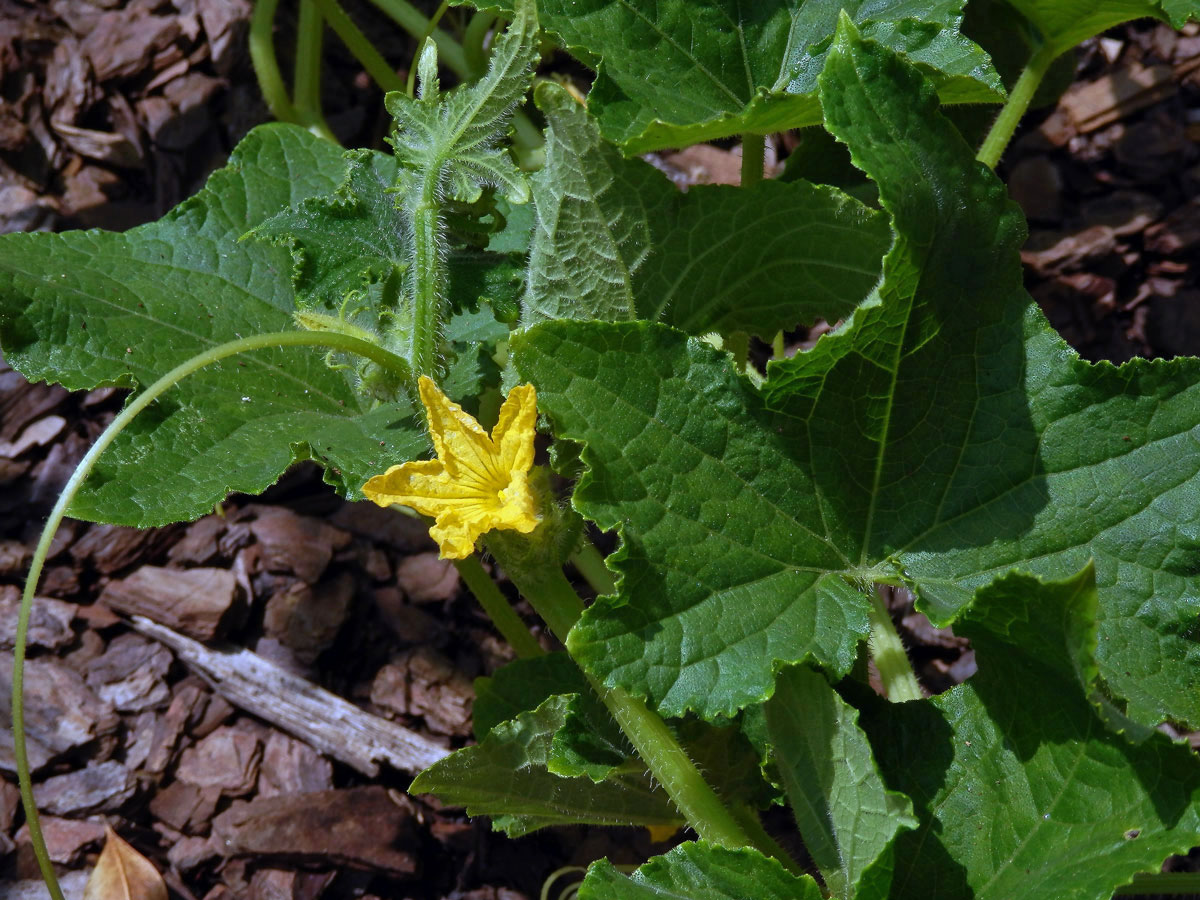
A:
(514, 432)
(459, 441)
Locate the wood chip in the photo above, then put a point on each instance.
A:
(360, 827)
(39, 434)
(103, 786)
(66, 839)
(294, 543)
(49, 620)
(323, 720)
(1116, 95)
(184, 806)
(422, 682)
(111, 548)
(199, 543)
(1049, 253)
(290, 766)
(61, 712)
(426, 579)
(227, 760)
(130, 673)
(306, 619)
(197, 602)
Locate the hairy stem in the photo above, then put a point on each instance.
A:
(362, 49)
(503, 616)
(473, 39)
(899, 681)
(548, 590)
(306, 78)
(1014, 108)
(754, 148)
(266, 66)
(428, 277)
(331, 340)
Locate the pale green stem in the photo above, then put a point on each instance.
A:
(754, 148)
(590, 563)
(552, 596)
(427, 277)
(408, 17)
(358, 45)
(1014, 108)
(473, 38)
(331, 340)
(503, 616)
(266, 66)
(777, 347)
(899, 681)
(306, 78)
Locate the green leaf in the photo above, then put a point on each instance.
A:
(942, 436)
(1063, 25)
(679, 72)
(507, 777)
(96, 308)
(847, 817)
(521, 686)
(1009, 770)
(698, 871)
(616, 240)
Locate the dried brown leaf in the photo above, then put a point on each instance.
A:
(122, 873)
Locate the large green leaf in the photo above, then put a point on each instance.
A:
(1021, 789)
(944, 435)
(847, 817)
(697, 871)
(677, 72)
(95, 308)
(1062, 25)
(616, 240)
(507, 776)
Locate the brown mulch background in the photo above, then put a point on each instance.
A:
(115, 111)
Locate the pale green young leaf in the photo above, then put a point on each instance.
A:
(679, 72)
(1013, 768)
(97, 308)
(506, 776)
(943, 435)
(616, 240)
(1062, 25)
(848, 819)
(699, 871)
(448, 143)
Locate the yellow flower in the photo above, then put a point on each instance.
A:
(478, 481)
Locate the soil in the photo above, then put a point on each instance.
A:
(113, 112)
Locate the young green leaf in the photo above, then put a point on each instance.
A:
(698, 871)
(848, 819)
(99, 308)
(616, 240)
(507, 777)
(683, 71)
(1015, 766)
(1063, 25)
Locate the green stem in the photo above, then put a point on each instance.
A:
(306, 77)
(552, 596)
(362, 49)
(503, 616)
(899, 681)
(266, 66)
(754, 148)
(749, 820)
(331, 340)
(427, 277)
(408, 17)
(472, 44)
(1014, 108)
(590, 563)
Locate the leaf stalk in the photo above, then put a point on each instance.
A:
(899, 681)
(1017, 104)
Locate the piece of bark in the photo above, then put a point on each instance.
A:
(1178, 234)
(422, 682)
(184, 806)
(294, 543)
(426, 579)
(1125, 212)
(35, 888)
(323, 720)
(1049, 253)
(290, 766)
(410, 624)
(66, 839)
(22, 403)
(307, 619)
(88, 191)
(61, 712)
(226, 22)
(190, 853)
(10, 799)
(38, 434)
(130, 673)
(49, 620)
(199, 543)
(189, 699)
(121, 42)
(227, 760)
(358, 827)
(99, 786)
(111, 548)
(1114, 96)
(383, 526)
(105, 146)
(198, 602)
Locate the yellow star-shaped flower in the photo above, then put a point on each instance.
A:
(478, 481)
